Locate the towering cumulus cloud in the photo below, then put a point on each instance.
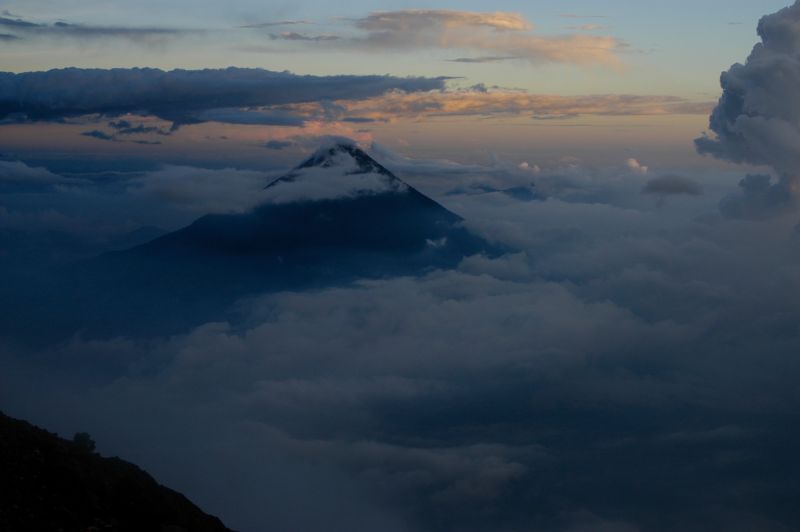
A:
(757, 120)
(180, 95)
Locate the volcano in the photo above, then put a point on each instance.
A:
(338, 213)
(336, 218)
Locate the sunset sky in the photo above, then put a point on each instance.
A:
(554, 74)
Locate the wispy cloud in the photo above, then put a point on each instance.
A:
(500, 34)
(480, 101)
(672, 185)
(484, 59)
(18, 28)
(17, 23)
(99, 135)
(579, 16)
(587, 27)
(277, 23)
(293, 36)
(413, 20)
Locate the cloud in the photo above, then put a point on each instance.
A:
(587, 27)
(248, 117)
(344, 178)
(501, 33)
(672, 185)
(636, 167)
(278, 144)
(16, 23)
(617, 343)
(471, 102)
(183, 96)
(23, 29)
(261, 97)
(757, 120)
(421, 392)
(442, 177)
(526, 166)
(484, 59)
(292, 36)
(759, 198)
(412, 20)
(18, 173)
(278, 23)
(97, 134)
(575, 15)
(125, 128)
(200, 191)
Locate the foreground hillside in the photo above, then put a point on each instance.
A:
(51, 484)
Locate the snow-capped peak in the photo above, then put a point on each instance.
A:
(338, 170)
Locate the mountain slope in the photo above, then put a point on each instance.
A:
(336, 218)
(339, 200)
(50, 484)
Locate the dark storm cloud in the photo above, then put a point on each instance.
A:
(757, 120)
(672, 185)
(184, 96)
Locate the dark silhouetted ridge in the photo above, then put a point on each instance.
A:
(49, 484)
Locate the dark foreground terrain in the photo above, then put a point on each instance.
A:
(51, 484)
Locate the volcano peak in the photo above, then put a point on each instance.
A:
(338, 169)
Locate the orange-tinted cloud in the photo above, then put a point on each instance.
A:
(472, 102)
(506, 34)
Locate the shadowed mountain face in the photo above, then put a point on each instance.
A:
(48, 483)
(338, 217)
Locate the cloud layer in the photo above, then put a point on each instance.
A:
(180, 95)
(466, 400)
(480, 101)
(620, 348)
